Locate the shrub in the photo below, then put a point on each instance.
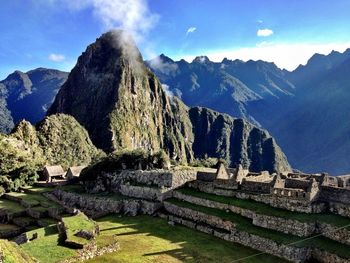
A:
(136, 159)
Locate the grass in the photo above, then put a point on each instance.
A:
(145, 239)
(37, 189)
(46, 247)
(74, 224)
(10, 206)
(33, 199)
(265, 209)
(245, 224)
(8, 227)
(12, 253)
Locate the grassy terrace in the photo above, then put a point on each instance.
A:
(246, 225)
(10, 206)
(34, 199)
(145, 239)
(78, 189)
(265, 209)
(46, 247)
(74, 224)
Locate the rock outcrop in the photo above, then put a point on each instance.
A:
(119, 100)
(235, 140)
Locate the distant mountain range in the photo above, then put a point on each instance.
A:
(306, 110)
(28, 95)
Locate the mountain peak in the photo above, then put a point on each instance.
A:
(201, 59)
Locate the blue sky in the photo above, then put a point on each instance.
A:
(53, 33)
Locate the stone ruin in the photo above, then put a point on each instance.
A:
(292, 191)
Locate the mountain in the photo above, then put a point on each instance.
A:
(314, 129)
(28, 95)
(58, 139)
(305, 110)
(236, 140)
(121, 103)
(229, 86)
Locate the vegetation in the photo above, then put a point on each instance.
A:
(135, 159)
(146, 239)
(46, 247)
(58, 139)
(11, 253)
(76, 223)
(209, 162)
(265, 209)
(246, 225)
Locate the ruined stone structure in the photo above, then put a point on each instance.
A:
(311, 193)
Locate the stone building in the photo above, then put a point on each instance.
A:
(74, 172)
(54, 172)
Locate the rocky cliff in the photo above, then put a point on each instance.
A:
(123, 106)
(119, 100)
(235, 140)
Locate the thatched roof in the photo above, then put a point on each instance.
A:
(55, 170)
(75, 170)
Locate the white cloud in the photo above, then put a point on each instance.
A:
(167, 90)
(133, 16)
(287, 56)
(191, 30)
(264, 32)
(260, 21)
(56, 57)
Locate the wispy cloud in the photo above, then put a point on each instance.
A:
(56, 57)
(191, 30)
(133, 16)
(285, 55)
(264, 32)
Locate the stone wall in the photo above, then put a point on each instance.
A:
(199, 217)
(335, 194)
(256, 186)
(298, 205)
(151, 185)
(99, 206)
(280, 224)
(284, 225)
(193, 219)
(212, 225)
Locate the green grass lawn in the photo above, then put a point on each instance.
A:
(34, 199)
(145, 239)
(8, 227)
(246, 225)
(265, 209)
(46, 247)
(74, 224)
(10, 206)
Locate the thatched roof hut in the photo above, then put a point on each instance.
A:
(50, 172)
(74, 172)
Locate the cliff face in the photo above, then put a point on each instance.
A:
(123, 106)
(119, 101)
(236, 140)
